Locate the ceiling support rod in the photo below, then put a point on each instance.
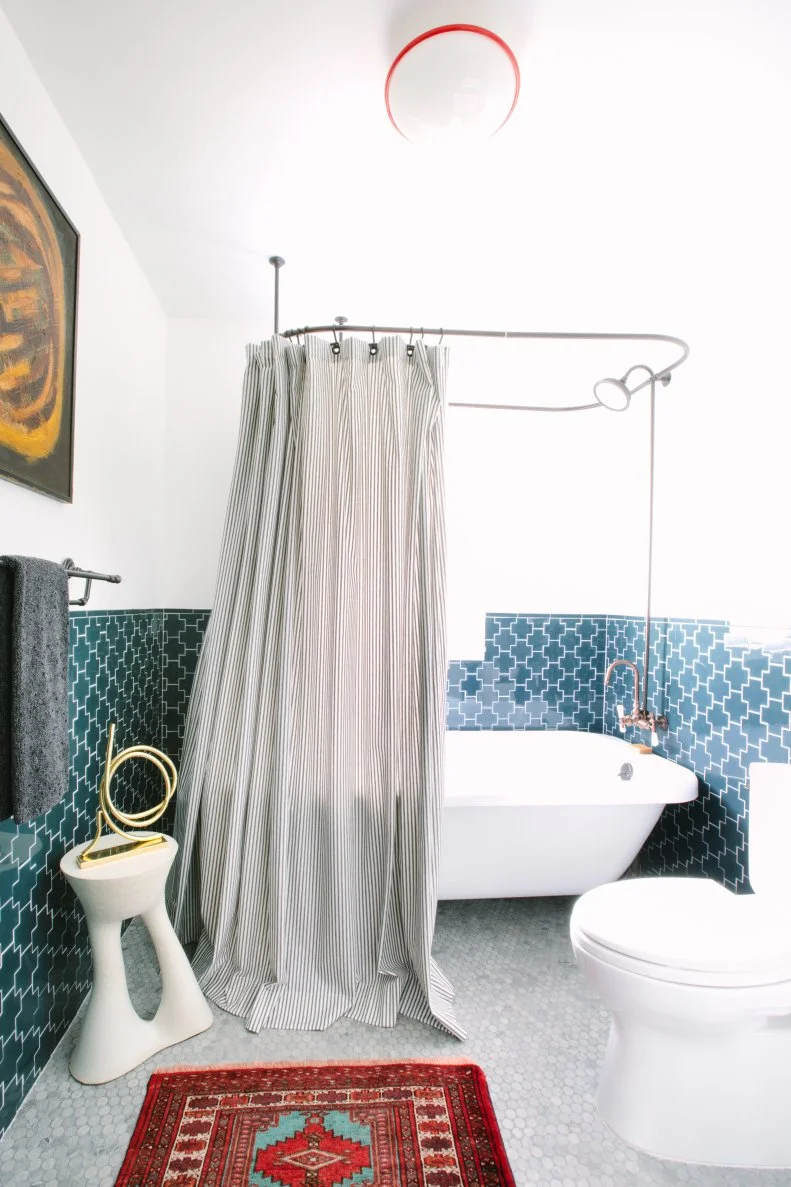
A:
(277, 263)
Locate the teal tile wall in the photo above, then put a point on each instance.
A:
(183, 632)
(727, 706)
(182, 637)
(115, 673)
(136, 667)
(539, 671)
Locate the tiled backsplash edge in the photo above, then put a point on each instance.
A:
(539, 671)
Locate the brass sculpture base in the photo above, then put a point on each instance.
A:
(98, 856)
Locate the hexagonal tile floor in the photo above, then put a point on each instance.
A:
(532, 1024)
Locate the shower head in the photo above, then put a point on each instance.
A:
(613, 394)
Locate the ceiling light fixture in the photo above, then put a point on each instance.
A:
(454, 82)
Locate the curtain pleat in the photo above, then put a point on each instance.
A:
(310, 800)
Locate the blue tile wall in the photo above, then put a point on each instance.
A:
(114, 674)
(183, 632)
(727, 707)
(134, 668)
(183, 637)
(539, 671)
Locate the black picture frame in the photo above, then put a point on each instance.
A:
(39, 278)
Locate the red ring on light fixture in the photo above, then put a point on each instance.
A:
(504, 46)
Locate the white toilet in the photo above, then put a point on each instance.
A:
(698, 980)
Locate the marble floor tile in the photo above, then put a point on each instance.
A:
(533, 1026)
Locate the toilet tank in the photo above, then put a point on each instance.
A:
(769, 829)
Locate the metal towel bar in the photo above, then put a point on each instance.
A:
(89, 576)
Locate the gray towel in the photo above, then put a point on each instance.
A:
(34, 705)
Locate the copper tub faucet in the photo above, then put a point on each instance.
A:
(639, 715)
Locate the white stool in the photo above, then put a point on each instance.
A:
(114, 1038)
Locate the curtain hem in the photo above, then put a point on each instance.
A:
(276, 1005)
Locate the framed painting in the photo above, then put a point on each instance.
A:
(39, 252)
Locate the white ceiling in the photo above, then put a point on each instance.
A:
(223, 132)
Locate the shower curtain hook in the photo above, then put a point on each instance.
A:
(422, 335)
(373, 348)
(441, 336)
(336, 346)
(410, 348)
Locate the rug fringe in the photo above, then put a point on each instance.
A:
(177, 1068)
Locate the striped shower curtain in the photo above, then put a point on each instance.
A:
(310, 797)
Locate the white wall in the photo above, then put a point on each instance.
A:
(654, 195)
(206, 362)
(545, 512)
(537, 502)
(113, 523)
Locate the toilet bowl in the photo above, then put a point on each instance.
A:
(698, 982)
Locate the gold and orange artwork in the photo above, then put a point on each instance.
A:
(36, 327)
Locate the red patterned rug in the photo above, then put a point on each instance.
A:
(411, 1124)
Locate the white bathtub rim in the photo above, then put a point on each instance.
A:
(556, 768)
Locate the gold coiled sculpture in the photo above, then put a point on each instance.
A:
(113, 817)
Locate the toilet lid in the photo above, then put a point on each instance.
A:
(685, 923)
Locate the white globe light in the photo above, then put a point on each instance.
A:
(455, 82)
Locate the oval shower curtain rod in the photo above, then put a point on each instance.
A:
(661, 375)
